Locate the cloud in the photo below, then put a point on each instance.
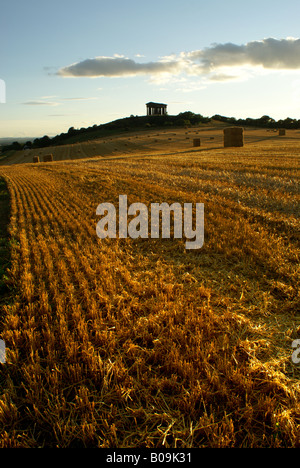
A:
(79, 99)
(222, 77)
(116, 66)
(273, 54)
(44, 101)
(40, 103)
(209, 62)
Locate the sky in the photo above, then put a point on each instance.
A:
(70, 63)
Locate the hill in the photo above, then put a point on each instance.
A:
(132, 123)
(143, 142)
(140, 123)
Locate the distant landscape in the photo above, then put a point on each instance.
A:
(184, 119)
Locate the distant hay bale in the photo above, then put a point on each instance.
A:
(233, 137)
(48, 157)
(281, 132)
(196, 142)
(36, 159)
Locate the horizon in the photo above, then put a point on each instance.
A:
(32, 138)
(106, 61)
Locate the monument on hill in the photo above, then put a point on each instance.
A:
(154, 108)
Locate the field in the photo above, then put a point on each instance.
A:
(131, 343)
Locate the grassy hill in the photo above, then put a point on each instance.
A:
(145, 140)
(132, 123)
(140, 123)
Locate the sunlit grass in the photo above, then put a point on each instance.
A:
(142, 343)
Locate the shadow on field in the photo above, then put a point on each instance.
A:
(4, 237)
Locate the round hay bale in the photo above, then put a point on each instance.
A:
(36, 159)
(196, 142)
(281, 132)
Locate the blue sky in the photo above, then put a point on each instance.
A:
(78, 63)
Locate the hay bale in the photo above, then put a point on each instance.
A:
(36, 159)
(48, 157)
(281, 132)
(233, 137)
(196, 142)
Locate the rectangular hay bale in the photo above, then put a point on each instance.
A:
(48, 157)
(233, 137)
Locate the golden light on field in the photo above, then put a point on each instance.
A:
(141, 343)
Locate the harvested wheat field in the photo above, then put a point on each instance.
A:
(146, 142)
(132, 343)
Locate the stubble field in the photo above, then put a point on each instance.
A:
(142, 343)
